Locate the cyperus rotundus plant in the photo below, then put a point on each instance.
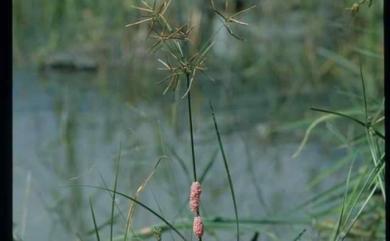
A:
(182, 63)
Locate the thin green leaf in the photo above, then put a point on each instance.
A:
(139, 190)
(340, 220)
(364, 94)
(327, 172)
(359, 212)
(94, 220)
(367, 184)
(307, 133)
(300, 235)
(180, 160)
(226, 169)
(113, 196)
(348, 117)
(208, 166)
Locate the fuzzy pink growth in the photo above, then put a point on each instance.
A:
(196, 190)
(198, 227)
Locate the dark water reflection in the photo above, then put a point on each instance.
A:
(68, 128)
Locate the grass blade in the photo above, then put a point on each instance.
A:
(339, 222)
(140, 204)
(356, 195)
(252, 175)
(307, 133)
(227, 170)
(331, 170)
(364, 94)
(348, 117)
(208, 166)
(360, 211)
(110, 194)
(113, 196)
(100, 226)
(300, 235)
(180, 161)
(324, 196)
(139, 190)
(255, 236)
(94, 220)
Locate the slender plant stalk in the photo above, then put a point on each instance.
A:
(364, 94)
(255, 236)
(137, 194)
(343, 206)
(227, 170)
(191, 128)
(300, 235)
(101, 226)
(113, 196)
(94, 220)
(191, 133)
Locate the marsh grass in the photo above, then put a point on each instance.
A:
(359, 187)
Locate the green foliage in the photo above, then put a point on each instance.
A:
(289, 53)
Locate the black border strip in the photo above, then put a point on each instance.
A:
(386, 24)
(6, 121)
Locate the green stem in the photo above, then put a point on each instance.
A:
(227, 170)
(191, 129)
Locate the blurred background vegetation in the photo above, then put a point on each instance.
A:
(77, 59)
(298, 45)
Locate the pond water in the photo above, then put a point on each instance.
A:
(69, 128)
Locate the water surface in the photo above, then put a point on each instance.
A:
(69, 127)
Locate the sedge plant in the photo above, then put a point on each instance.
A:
(182, 61)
